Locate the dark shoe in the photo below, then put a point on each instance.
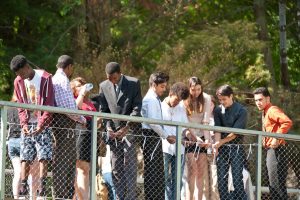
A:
(42, 189)
(41, 193)
(24, 188)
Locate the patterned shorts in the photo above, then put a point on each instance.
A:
(38, 145)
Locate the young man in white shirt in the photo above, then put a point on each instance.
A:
(152, 147)
(173, 110)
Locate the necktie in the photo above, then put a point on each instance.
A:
(116, 88)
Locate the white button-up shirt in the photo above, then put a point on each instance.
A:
(151, 108)
(177, 114)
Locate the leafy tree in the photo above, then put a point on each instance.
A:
(217, 54)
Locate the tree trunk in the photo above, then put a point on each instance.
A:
(298, 18)
(259, 10)
(98, 18)
(285, 80)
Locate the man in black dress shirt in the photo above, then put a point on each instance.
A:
(230, 153)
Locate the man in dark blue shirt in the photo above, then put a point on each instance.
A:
(230, 153)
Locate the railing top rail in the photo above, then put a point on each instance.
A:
(147, 120)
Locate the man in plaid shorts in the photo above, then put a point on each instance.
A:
(33, 86)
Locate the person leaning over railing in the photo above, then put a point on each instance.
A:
(274, 120)
(173, 111)
(84, 140)
(198, 111)
(121, 94)
(230, 153)
(154, 186)
(33, 87)
(63, 130)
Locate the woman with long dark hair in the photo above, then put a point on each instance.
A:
(198, 111)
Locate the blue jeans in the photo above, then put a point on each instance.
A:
(14, 147)
(110, 186)
(233, 156)
(170, 175)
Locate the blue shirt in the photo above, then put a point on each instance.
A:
(235, 116)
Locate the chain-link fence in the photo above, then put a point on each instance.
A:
(61, 162)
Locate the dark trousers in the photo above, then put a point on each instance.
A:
(277, 166)
(293, 150)
(154, 166)
(233, 156)
(124, 168)
(64, 162)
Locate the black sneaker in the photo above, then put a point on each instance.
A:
(41, 193)
(42, 189)
(24, 188)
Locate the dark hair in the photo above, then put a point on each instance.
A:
(262, 90)
(224, 90)
(193, 81)
(112, 67)
(158, 78)
(18, 62)
(213, 100)
(64, 61)
(180, 90)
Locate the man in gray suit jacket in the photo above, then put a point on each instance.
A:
(121, 94)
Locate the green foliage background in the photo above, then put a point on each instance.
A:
(215, 40)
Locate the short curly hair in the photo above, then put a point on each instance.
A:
(180, 90)
(64, 61)
(18, 62)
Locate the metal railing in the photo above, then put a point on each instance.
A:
(258, 134)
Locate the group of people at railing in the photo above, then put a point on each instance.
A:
(121, 94)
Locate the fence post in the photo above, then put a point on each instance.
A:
(178, 162)
(94, 162)
(3, 150)
(259, 167)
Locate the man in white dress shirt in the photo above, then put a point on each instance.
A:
(152, 148)
(173, 110)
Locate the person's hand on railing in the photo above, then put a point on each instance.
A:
(217, 144)
(274, 143)
(25, 130)
(112, 135)
(37, 131)
(171, 139)
(200, 142)
(190, 135)
(187, 143)
(122, 132)
(206, 144)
